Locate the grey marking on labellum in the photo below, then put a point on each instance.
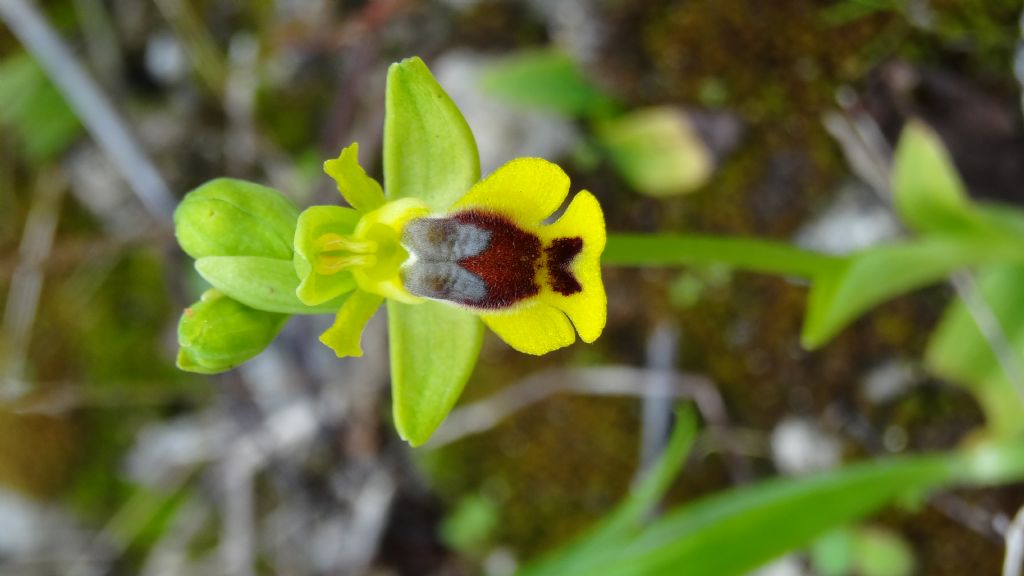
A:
(439, 244)
(445, 281)
(444, 239)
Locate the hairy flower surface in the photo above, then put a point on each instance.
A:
(490, 252)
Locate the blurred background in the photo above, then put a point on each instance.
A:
(715, 116)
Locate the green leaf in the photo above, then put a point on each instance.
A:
(736, 531)
(770, 519)
(550, 80)
(840, 294)
(960, 352)
(927, 191)
(1000, 223)
(429, 154)
(361, 191)
(429, 151)
(658, 151)
(218, 333)
(262, 283)
(227, 217)
(434, 347)
(656, 481)
(630, 514)
(34, 111)
(750, 254)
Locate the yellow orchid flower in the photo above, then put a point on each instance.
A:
(490, 252)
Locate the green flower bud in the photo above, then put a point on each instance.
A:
(218, 333)
(227, 217)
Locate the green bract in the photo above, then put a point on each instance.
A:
(218, 333)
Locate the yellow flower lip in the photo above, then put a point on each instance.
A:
(491, 253)
(535, 285)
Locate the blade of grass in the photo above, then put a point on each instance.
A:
(738, 530)
(618, 526)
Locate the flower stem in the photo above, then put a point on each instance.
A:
(765, 256)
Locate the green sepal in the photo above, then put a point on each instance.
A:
(227, 217)
(267, 284)
(434, 347)
(345, 334)
(429, 150)
(315, 221)
(218, 333)
(361, 191)
(430, 155)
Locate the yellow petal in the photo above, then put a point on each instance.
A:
(528, 190)
(587, 309)
(344, 335)
(361, 191)
(536, 328)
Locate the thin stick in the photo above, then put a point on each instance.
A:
(89, 103)
(656, 408)
(1018, 61)
(991, 328)
(1014, 559)
(606, 381)
(27, 279)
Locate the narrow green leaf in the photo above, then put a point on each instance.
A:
(218, 333)
(749, 254)
(629, 515)
(549, 80)
(656, 481)
(429, 150)
(434, 347)
(429, 154)
(262, 283)
(1000, 223)
(770, 518)
(927, 190)
(960, 352)
(228, 217)
(866, 279)
(736, 531)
